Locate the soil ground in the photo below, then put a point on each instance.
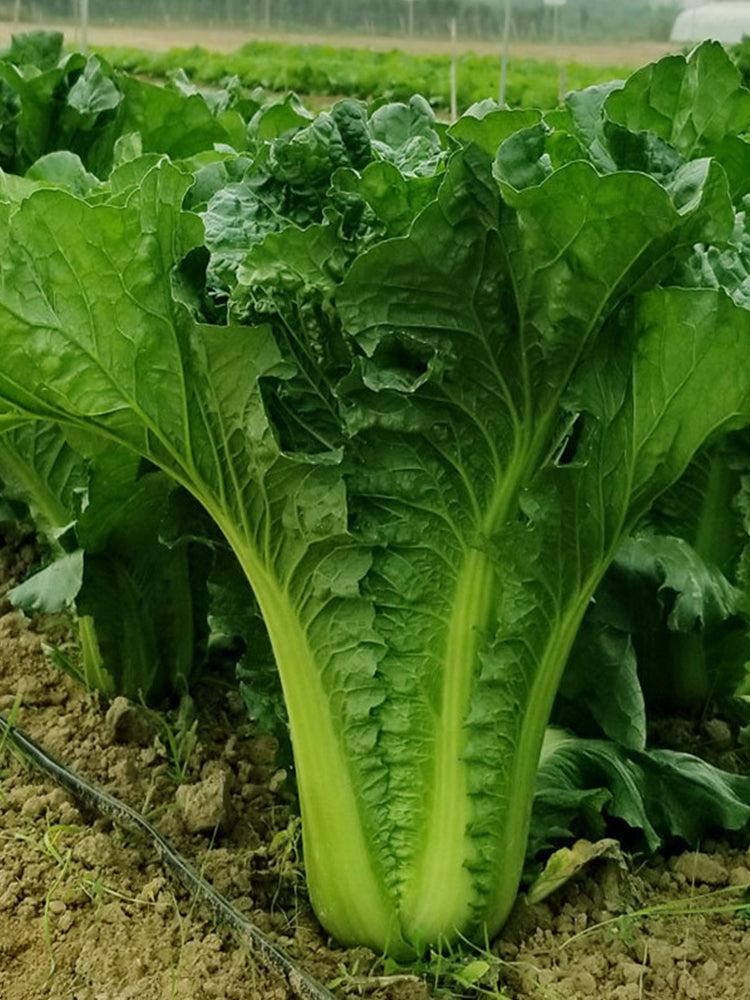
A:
(88, 913)
(161, 38)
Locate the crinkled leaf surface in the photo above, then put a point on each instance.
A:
(405, 135)
(42, 49)
(286, 183)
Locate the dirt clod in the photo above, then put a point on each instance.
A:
(126, 723)
(206, 805)
(719, 732)
(697, 867)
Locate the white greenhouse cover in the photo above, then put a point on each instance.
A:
(726, 22)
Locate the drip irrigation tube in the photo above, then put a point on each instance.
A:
(274, 958)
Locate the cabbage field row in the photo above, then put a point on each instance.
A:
(368, 75)
(440, 432)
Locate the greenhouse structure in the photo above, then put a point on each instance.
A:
(726, 22)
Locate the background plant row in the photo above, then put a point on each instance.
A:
(368, 75)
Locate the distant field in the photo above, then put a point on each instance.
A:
(160, 37)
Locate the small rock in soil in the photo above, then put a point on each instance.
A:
(632, 972)
(205, 806)
(126, 723)
(697, 867)
(262, 750)
(13, 623)
(660, 956)
(719, 732)
(688, 987)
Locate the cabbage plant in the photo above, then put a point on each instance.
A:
(424, 441)
(139, 602)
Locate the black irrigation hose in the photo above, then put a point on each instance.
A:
(273, 957)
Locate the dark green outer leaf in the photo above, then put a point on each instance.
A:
(167, 121)
(64, 169)
(661, 792)
(697, 595)
(691, 102)
(39, 468)
(42, 49)
(600, 685)
(139, 593)
(492, 129)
